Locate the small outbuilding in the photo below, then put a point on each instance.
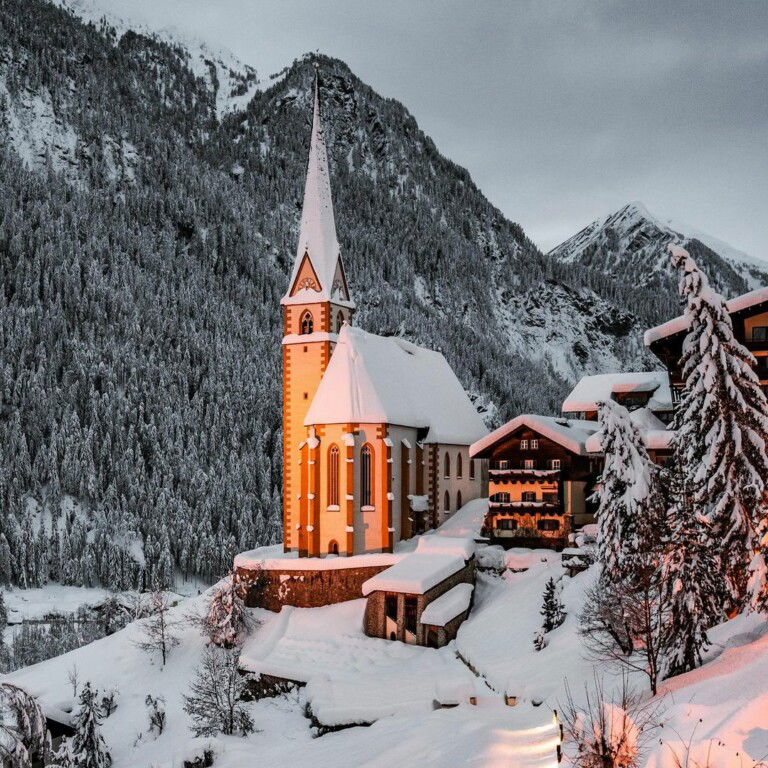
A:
(424, 598)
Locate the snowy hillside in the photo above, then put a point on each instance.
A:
(352, 679)
(632, 240)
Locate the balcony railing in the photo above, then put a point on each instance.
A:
(526, 507)
(521, 473)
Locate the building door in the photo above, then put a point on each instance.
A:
(409, 620)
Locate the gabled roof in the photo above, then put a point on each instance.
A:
(317, 233)
(653, 431)
(592, 389)
(680, 324)
(572, 434)
(374, 379)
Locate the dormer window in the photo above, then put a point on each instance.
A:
(307, 324)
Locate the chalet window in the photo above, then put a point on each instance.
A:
(458, 500)
(500, 498)
(410, 614)
(547, 524)
(366, 476)
(760, 333)
(459, 466)
(554, 464)
(534, 444)
(506, 525)
(333, 475)
(502, 464)
(523, 445)
(550, 498)
(447, 465)
(447, 503)
(307, 324)
(529, 464)
(471, 469)
(528, 496)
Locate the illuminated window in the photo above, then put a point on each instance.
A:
(366, 476)
(529, 464)
(333, 475)
(555, 463)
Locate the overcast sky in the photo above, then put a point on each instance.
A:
(562, 110)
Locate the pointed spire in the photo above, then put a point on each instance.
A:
(317, 235)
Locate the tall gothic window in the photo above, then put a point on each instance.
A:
(333, 476)
(458, 500)
(459, 467)
(307, 324)
(447, 503)
(339, 320)
(471, 469)
(447, 465)
(366, 476)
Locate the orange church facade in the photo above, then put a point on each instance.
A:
(376, 431)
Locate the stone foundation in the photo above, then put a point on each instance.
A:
(273, 587)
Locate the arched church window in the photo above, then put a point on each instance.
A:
(447, 467)
(458, 500)
(307, 324)
(459, 467)
(333, 475)
(447, 503)
(333, 547)
(471, 469)
(366, 476)
(339, 320)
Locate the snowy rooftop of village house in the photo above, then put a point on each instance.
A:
(679, 324)
(592, 389)
(654, 432)
(435, 559)
(572, 434)
(448, 606)
(387, 380)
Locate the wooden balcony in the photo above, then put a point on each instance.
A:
(516, 474)
(525, 507)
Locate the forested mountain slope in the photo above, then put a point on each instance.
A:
(145, 241)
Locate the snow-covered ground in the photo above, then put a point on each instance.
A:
(353, 678)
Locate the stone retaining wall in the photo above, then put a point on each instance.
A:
(274, 588)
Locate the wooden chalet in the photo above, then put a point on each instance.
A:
(540, 476)
(749, 314)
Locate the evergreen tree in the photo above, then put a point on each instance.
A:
(721, 431)
(630, 504)
(693, 593)
(24, 735)
(552, 607)
(86, 748)
(226, 617)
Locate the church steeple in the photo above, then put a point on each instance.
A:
(318, 271)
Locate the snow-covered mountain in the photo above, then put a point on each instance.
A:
(632, 242)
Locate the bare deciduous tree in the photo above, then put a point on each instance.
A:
(159, 630)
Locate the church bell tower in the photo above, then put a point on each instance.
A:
(314, 308)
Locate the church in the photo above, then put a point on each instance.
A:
(376, 430)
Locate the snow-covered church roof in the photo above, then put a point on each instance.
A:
(317, 233)
(374, 379)
(592, 389)
(572, 434)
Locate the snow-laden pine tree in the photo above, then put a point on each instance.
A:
(721, 431)
(692, 585)
(226, 617)
(630, 504)
(552, 607)
(86, 748)
(24, 735)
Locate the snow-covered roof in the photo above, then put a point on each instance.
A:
(680, 324)
(415, 574)
(592, 389)
(387, 380)
(572, 434)
(448, 606)
(446, 545)
(317, 233)
(654, 432)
